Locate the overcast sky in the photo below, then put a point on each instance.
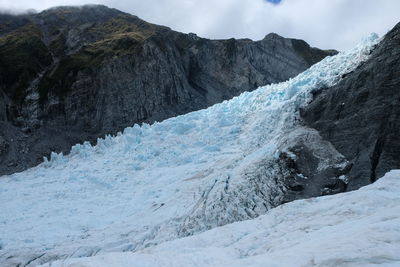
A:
(338, 24)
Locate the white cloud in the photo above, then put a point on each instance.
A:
(338, 24)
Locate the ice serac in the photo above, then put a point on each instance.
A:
(153, 183)
(360, 115)
(73, 74)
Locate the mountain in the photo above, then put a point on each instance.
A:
(150, 184)
(73, 74)
(222, 175)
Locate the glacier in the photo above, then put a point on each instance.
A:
(358, 228)
(155, 183)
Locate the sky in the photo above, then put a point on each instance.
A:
(337, 24)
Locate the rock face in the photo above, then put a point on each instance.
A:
(360, 115)
(70, 74)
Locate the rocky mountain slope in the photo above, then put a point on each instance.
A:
(360, 115)
(73, 74)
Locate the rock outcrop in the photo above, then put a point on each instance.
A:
(360, 115)
(72, 74)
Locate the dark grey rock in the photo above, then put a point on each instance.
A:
(3, 146)
(310, 166)
(360, 115)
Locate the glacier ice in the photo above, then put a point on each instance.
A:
(153, 183)
(359, 228)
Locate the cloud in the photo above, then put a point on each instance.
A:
(338, 24)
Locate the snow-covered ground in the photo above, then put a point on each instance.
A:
(359, 228)
(156, 183)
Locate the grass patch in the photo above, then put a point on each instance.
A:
(22, 56)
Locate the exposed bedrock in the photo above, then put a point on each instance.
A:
(360, 115)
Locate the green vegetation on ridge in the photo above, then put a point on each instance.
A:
(22, 56)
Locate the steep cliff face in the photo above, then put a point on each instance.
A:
(360, 115)
(72, 74)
